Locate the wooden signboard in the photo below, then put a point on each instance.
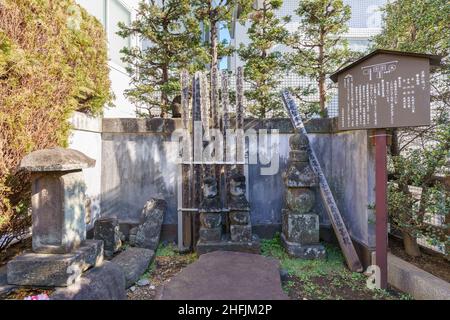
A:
(385, 89)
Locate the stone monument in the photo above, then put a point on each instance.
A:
(300, 225)
(239, 216)
(60, 251)
(210, 212)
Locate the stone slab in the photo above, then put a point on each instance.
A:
(56, 159)
(301, 228)
(54, 270)
(307, 251)
(5, 288)
(415, 281)
(223, 275)
(226, 244)
(107, 230)
(105, 282)
(134, 262)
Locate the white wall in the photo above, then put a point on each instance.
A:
(86, 137)
(104, 11)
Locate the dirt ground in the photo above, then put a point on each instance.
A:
(434, 264)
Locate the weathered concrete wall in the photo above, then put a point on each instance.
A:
(86, 137)
(138, 164)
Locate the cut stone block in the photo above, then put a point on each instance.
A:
(107, 230)
(308, 251)
(58, 211)
(241, 233)
(210, 234)
(210, 220)
(301, 228)
(225, 244)
(59, 270)
(239, 217)
(148, 232)
(134, 262)
(300, 200)
(106, 282)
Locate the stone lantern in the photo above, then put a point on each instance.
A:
(300, 224)
(60, 249)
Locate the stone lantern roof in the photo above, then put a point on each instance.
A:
(56, 159)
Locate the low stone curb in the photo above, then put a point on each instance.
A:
(415, 281)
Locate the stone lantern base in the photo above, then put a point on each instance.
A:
(304, 251)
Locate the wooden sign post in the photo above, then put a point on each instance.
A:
(384, 89)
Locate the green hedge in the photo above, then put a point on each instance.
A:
(53, 61)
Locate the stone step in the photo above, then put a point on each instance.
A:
(134, 262)
(54, 270)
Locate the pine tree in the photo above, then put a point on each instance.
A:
(318, 46)
(214, 12)
(263, 66)
(172, 41)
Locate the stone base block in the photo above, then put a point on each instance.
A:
(241, 233)
(210, 234)
(54, 270)
(253, 246)
(305, 251)
(134, 262)
(301, 228)
(106, 282)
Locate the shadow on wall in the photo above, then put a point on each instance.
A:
(135, 168)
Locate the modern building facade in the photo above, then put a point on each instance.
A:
(365, 22)
(110, 13)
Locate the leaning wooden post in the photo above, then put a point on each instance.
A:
(225, 126)
(339, 228)
(240, 138)
(206, 116)
(184, 218)
(197, 147)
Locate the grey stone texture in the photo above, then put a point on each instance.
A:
(56, 159)
(134, 262)
(415, 281)
(58, 211)
(300, 225)
(225, 275)
(5, 288)
(241, 233)
(303, 251)
(106, 282)
(301, 228)
(107, 230)
(210, 234)
(147, 233)
(60, 270)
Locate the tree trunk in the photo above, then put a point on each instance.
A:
(213, 42)
(322, 90)
(410, 244)
(164, 97)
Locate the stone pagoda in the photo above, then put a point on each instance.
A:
(300, 224)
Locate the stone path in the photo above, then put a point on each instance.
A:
(224, 275)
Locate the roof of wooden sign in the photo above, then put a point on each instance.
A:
(435, 60)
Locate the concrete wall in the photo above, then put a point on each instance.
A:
(134, 164)
(137, 164)
(86, 137)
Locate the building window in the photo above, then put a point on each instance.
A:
(117, 12)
